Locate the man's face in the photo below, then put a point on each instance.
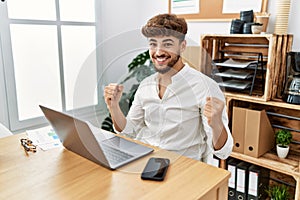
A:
(165, 52)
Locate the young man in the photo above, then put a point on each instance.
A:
(178, 108)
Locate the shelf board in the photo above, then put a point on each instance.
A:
(244, 97)
(253, 99)
(273, 162)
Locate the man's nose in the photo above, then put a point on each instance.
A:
(159, 50)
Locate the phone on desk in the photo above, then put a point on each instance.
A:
(156, 169)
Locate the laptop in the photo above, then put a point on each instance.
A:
(95, 144)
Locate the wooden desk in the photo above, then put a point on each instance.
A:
(61, 174)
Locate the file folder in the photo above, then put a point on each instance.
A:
(231, 167)
(242, 180)
(238, 128)
(258, 182)
(252, 132)
(259, 135)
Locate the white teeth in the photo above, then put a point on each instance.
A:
(161, 59)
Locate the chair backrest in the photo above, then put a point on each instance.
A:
(4, 131)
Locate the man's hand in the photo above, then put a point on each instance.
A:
(112, 94)
(213, 112)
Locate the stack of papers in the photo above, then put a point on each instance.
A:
(236, 84)
(236, 63)
(235, 74)
(45, 138)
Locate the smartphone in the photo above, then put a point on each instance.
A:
(156, 169)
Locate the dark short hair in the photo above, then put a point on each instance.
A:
(165, 25)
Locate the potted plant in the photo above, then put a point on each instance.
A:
(283, 139)
(278, 192)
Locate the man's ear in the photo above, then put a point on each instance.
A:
(182, 46)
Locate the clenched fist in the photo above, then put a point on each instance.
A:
(213, 111)
(112, 94)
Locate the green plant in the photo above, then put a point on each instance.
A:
(139, 68)
(283, 137)
(278, 192)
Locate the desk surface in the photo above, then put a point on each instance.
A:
(61, 174)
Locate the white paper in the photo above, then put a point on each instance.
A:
(240, 182)
(45, 138)
(231, 181)
(253, 180)
(235, 74)
(235, 6)
(236, 63)
(237, 84)
(185, 6)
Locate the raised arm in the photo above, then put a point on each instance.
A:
(112, 95)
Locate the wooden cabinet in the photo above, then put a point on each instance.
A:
(281, 115)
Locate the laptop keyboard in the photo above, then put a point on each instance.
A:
(115, 156)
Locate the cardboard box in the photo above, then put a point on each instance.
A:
(253, 131)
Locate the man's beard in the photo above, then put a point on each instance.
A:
(168, 67)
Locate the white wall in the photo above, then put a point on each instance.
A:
(294, 25)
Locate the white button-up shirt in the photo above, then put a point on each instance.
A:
(176, 122)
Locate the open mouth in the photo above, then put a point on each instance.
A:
(161, 59)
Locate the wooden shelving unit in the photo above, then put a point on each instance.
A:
(273, 48)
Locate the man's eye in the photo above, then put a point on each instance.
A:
(168, 44)
(152, 44)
